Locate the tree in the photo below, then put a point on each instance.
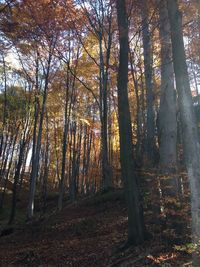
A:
(135, 217)
(188, 120)
(36, 155)
(148, 73)
(100, 19)
(167, 113)
(167, 122)
(69, 105)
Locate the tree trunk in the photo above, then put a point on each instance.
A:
(138, 115)
(167, 122)
(64, 147)
(188, 120)
(17, 175)
(35, 165)
(167, 112)
(106, 168)
(7, 169)
(4, 104)
(148, 72)
(46, 166)
(135, 220)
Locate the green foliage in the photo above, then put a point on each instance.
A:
(16, 103)
(189, 248)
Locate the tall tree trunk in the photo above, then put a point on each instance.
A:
(35, 165)
(64, 147)
(78, 158)
(167, 123)
(69, 106)
(46, 166)
(17, 174)
(73, 162)
(148, 72)
(3, 154)
(24, 165)
(7, 169)
(106, 168)
(188, 120)
(167, 113)
(5, 104)
(56, 147)
(85, 137)
(138, 115)
(135, 218)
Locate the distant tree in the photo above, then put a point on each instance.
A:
(100, 18)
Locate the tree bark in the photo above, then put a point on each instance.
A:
(188, 120)
(5, 104)
(135, 218)
(35, 165)
(17, 174)
(167, 112)
(64, 147)
(148, 73)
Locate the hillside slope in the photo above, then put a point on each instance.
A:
(88, 233)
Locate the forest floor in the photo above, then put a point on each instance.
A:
(88, 233)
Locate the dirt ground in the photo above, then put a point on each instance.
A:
(89, 233)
